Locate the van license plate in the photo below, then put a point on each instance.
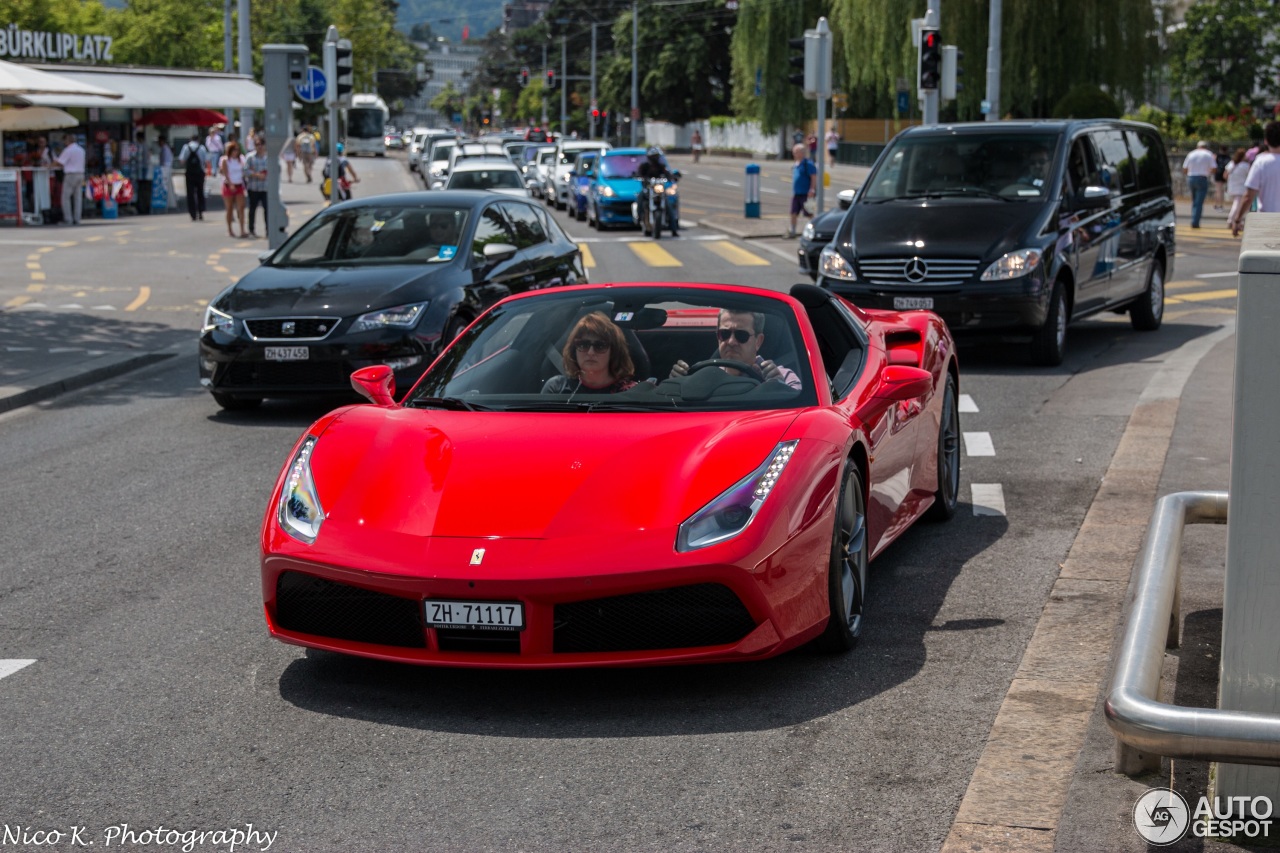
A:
(286, 353)
(911, 303)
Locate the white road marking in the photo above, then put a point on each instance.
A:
(967, 406)
(789, 255)
(12, 665)
(978, 444)
(704, 177)
(988, 499)
(731, 183)
(770, 190)
(1217, 274)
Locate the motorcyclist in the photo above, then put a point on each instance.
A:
(655, 166)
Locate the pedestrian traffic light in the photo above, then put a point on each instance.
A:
(346, 73)
(524, 77)
(930, 60)
(951, 56)
(797, 61)
(595, 114)
(551, 80)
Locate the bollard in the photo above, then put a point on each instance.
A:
(751, 189)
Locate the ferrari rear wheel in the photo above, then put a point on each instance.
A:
(948, 493)
(848, 572)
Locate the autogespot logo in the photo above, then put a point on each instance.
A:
(1161, 816)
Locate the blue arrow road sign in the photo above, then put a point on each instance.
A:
(313, 89)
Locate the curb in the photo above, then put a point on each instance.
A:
(740, 233)
(73, 379)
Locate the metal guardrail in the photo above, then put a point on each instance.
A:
(1145, 728)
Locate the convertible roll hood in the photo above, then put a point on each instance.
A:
(333, 291)
(945, 227)
(431, 473)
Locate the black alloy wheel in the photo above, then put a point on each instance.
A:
(1147, 311)
(847, 581)
(946, 498)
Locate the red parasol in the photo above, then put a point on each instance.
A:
(193, 116)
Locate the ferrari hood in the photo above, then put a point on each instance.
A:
(531, 476)
(341, 290)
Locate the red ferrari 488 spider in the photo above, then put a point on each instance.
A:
(618, 475)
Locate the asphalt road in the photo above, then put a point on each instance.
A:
(128, 574)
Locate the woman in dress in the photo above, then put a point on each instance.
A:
(232, 170)
(1236, 173)
(290, 156)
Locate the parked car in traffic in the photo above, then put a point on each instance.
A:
(384, 280)
(819, 231)
(556, 188)
(1012, 228)
(615, 187)
(580, 184)
(487, 173)
(436, 159)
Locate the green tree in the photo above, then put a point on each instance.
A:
(759, 50)
(1224, 52)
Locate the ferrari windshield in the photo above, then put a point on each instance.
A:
(637, 349)
(386, 234)
(1001, 166)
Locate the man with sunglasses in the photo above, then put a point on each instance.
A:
(741, 335)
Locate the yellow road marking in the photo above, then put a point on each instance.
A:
(122, 233)
(221, 269)
(735, 255)
(16, 301)
(1173, 315)
(144, 293)
(32, 266)
(654, 255)
(93, 239)
(1205, 296)
(33, 258)
(34, 288)
(588, 259)
(1182, 283)
(151, 228)
(37, 276)
(44, 249)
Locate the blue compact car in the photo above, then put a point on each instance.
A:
(584, 170)
(614, 188)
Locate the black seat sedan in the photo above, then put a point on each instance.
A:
(382, 280)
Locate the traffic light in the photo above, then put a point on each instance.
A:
(595, 114)
(797, 61)
(930, 60)
(345, 73)
(524, 77)
(951, 56)
(551, 80)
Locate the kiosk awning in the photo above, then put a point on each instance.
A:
(158, 89)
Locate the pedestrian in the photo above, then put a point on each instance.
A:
(1198, 166)
(833, 144)
(803, 185)
(256, 182)
(1222, 158)
(1263, 180)
(142, 175)
(232, 169)
(1237, 171)
(214, 144)
(813, 147)
(306, 141)
(194, 158)
(40, 195)
(289, 155)
(71, 161)
(166, 169)
(695, 143)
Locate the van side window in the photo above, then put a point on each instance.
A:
(1113, 157)
(1148, 153)
(1082, 170)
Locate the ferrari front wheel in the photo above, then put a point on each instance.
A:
(847, 575)
(947, 496)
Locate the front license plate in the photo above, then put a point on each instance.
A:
(287, 353)
(491, 615)
(911, 303)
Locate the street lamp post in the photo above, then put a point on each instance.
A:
(635, 79)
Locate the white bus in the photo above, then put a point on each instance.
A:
(366, 126)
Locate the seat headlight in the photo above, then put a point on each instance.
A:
(731, 512)
(400, 317)
(832, 264)
(808, 233)
(1013, 265)
(299, 511)
(215, 320)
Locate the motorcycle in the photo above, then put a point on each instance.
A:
(659, 207)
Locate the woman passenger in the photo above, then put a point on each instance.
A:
(596, 359)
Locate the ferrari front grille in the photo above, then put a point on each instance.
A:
(677, 618)
(312, 605)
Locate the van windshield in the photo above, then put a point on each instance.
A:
(997, 166)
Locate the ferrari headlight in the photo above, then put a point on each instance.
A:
(832, 264)
(401, 317)
(1013, 265)
(217, 320)
(299, 512)
(731, 512)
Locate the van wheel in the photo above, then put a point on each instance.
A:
(1049, 344)
(1147, 311)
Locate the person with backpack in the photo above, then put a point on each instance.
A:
(194, 160)
(346, 175)
(306, 145)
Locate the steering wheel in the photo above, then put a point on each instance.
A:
(751, 371)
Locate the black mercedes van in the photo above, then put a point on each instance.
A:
(1012, 228)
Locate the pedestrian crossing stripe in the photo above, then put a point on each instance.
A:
(654, 255)
(588, 259)
(1204, 296)
(737, 256)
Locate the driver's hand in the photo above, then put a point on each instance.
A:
(770, 370)
(680, 368)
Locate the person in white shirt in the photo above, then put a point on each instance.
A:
(1198, 166)
(1263, 182)
(1236, 172)
(71, 161)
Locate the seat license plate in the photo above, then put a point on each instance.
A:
(287, 353)
(911, 303)
(490, 615)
